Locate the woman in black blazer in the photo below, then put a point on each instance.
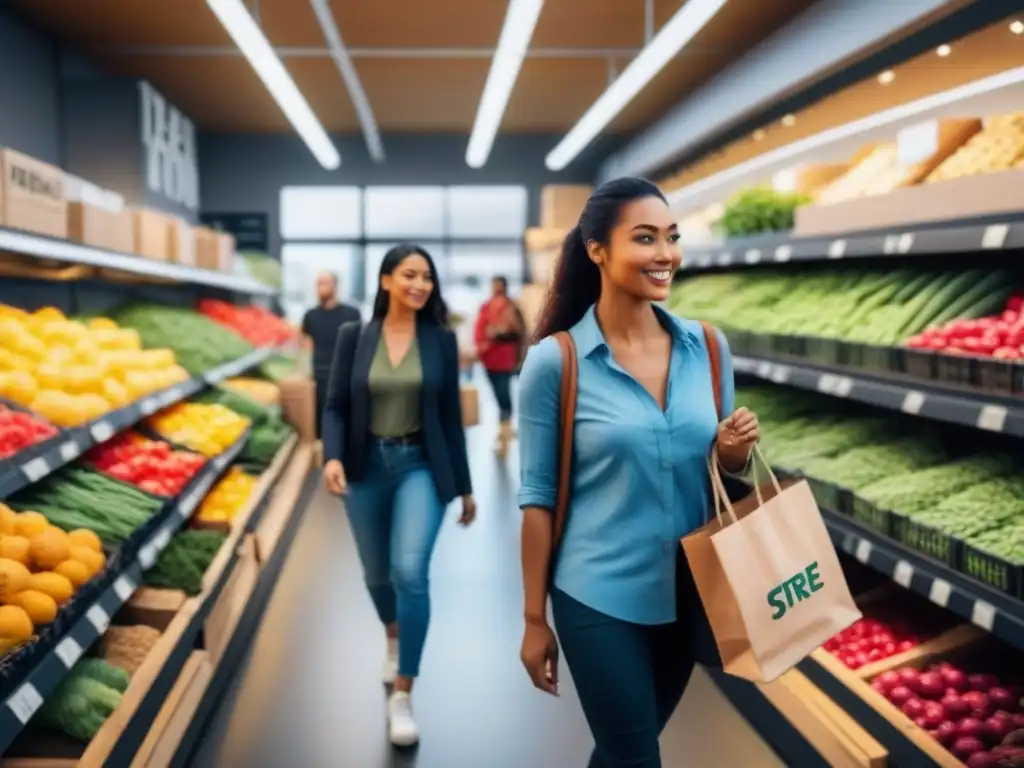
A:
(394, 442)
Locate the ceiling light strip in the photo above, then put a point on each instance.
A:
(242, 28)
(520, 21)
(898, 114)
(670, 40)
(347, 69)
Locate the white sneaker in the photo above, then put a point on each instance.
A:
(390, 669)
(402, 728)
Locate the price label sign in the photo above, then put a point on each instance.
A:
(147, 556)
(784, 253)
(124, 587)
(68, 651)
(36, 469)
(99, 618)
(903, 574)
(24, 702)
(101, 431)
(69, 451)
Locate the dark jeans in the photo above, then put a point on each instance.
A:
(630, 677)
(501, 383)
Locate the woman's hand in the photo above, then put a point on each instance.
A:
(539, 655)
(736, 438)
(468, 510)
(334, 478)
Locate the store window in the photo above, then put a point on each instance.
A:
(487, 212)
(321, 213)
(405, 212)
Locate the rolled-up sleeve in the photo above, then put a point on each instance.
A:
(539, 390)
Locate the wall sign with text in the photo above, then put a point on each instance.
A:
(169, 150)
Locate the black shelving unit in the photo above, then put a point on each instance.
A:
(998, 234)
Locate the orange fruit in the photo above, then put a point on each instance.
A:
(29, 524)
(53, 584)
(16, 548)
(83, 537)
(40, 607)
(49, 548)
(74, 571)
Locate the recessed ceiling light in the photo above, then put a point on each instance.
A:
(1017, 27)
(789, 120)
(759, 134)
(943, 50)
(886, 77)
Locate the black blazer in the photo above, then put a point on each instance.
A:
(346, 417)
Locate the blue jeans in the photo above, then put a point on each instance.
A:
(501, 383)
(395, 516)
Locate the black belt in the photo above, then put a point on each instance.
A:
(415, 438)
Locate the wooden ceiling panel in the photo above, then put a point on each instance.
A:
(551, 95)
(229, 95)
(590, 24)
(418, 23)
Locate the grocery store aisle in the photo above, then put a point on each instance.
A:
(309, 692)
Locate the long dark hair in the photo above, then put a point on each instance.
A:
(577, 282)
(435, 310)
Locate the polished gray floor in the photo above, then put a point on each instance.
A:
(309, 693)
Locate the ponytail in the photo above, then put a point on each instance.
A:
(576, 286)
(577, 281)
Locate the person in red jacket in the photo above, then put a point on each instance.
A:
(499, 337)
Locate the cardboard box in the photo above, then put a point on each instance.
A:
(121, 231)
(298, 405)
(470, 398)
(88, 224)
(975, 196)
(214, 250)
(225, 252)
(182, 243)
(32, 195)
(562, 204)
(152, 234)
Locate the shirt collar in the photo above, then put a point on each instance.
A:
(588, 336)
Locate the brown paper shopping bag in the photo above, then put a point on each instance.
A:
(768, 577)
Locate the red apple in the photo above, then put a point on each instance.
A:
(955, 706)
(913, 708)
(956, 679)
(946, 733)
(931, 685)
(900, 695)
(889, 679)
(982, 682)
(1001, 697)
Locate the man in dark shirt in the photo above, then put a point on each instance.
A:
(320, 327)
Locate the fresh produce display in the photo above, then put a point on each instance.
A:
(258, 326)
(209, 429)
(998, 146)
(238, 402)
(41, 568)
(871, 640)
(19, 430)
(918, 491)
(264, 392)
(76, 497)
(759, 209)
(127, 647)
(1000, 336)
(875, 306)
(879, 173)
(87, 696)
(151, 465)
(71, 372)
(227, 498)
(976, 716)
(184, 561)
(199, 343)
(265, 440)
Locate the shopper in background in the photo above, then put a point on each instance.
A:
(623, 599)
(499, 337)
(393, 438)
(320, 326)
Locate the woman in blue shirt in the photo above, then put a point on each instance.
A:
(623, 599)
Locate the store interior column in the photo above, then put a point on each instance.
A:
(309, 692)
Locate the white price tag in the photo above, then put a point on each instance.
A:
(99, 618)
(903, 574)
(36, 469)
(889, 244)
(704, 260)
(101, 431)
(827, 384)
(995, 236)
(844, 385)
(764, 370)
(783, 253)
(147, 556)
(69, 451)
(940, 592)
(24, 702)
(991, 418)
(906, 242)
(161, 538)
(68, 651)
(837, 249)
(752, 256)
(913, 401)
(124, 587)
(863, 552)
(725, 258)
(148, 406)
(983, 615)
(780, 374)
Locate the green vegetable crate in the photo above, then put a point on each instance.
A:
(822, 351)
(830, 496)
(1001, 376)
(993, 570)
(918, 363)
(927, 540)
(867, 514)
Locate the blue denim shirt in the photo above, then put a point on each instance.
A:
(639, 474)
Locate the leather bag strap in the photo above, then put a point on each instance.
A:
(715, 357)
(567, 427)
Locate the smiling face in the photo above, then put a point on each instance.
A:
(643, 250)
(410, 283)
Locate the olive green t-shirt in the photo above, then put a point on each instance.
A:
(395, 392)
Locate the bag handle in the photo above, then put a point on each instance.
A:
(566, 431)
(721, 498)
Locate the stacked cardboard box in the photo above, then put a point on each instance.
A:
(32, 195)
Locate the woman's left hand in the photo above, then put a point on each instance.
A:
(468, 510)
(736, 438)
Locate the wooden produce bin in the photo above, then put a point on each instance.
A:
(225, 613)
(32, 195)
(298, 405)
(174, 718)
(282, 502)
